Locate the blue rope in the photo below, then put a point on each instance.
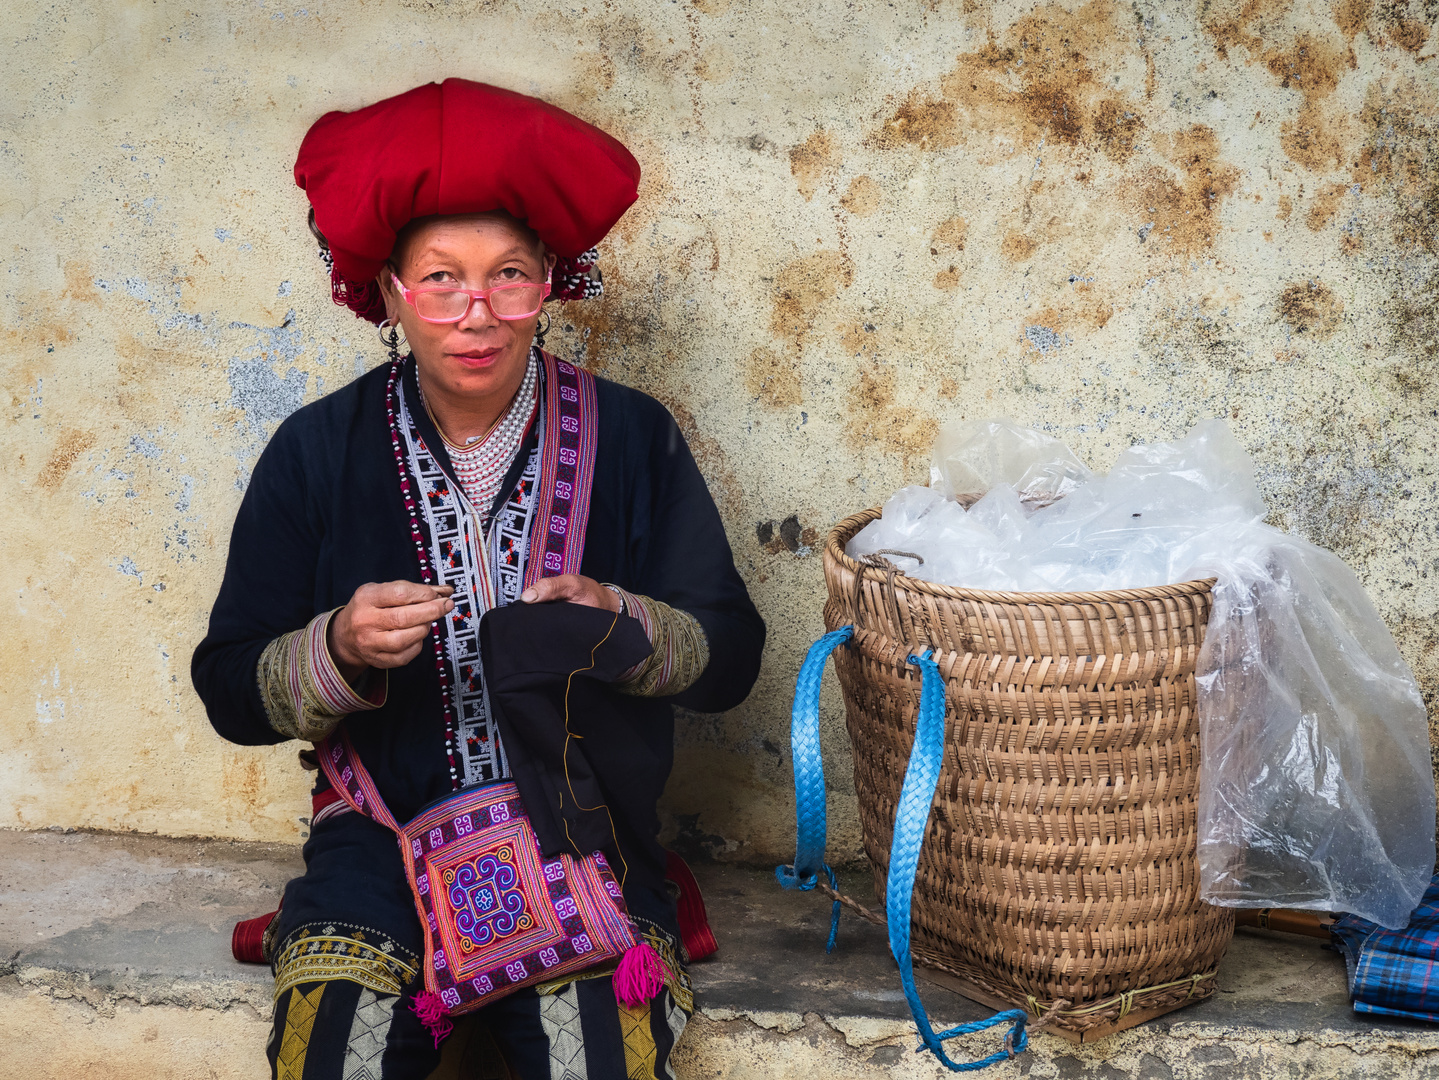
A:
(809, 807)
(911, 820)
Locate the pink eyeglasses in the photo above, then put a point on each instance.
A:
(445, 305)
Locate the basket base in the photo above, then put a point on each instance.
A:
(965, 988)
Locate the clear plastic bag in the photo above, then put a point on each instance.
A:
(950, 542)
(1317, 790)
(972, 456)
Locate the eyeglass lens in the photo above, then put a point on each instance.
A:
(511, 302)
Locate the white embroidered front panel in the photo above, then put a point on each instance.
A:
(457, 551)
(509, 534)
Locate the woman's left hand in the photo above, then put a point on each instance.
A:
(576, 588)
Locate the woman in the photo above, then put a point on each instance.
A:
(476, 565)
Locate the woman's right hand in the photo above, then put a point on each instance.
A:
(384, 625)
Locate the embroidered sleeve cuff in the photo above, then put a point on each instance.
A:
(304, 694)
(336, 694)
(681, 651)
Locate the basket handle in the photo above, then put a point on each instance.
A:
(911, 819)
(809, 808)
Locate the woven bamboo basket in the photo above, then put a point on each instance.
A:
(1059, 871)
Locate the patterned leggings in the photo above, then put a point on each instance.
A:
(338, 1028)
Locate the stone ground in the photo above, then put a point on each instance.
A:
(115, 964)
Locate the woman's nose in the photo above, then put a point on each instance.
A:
(479, 317)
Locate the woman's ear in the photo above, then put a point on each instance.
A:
(392, 296)
(550, 259)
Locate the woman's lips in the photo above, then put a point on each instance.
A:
(477, 358)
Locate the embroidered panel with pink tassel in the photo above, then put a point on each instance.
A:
(497, 915)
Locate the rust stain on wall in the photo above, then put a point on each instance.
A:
(880, 412)
(947, 280)
(858, 338)
(1325, 205)
(802, 288)
(79, 285)
(1241, 22)
(926, 123)
(1310, 307)
(1313, 65)
(1311, 62)
(1016, 247)
(1185, 211)
(654, 190)
(1387, 22)
(68, 448)
(244, 782)
(812, 160)
(862, 197)
(1056, 57)
(946, 244)
(716, 64)
(598, 331)
(949, 236)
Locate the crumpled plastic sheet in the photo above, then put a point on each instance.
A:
(970, 457)
(1316, 789)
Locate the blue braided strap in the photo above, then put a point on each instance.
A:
(809, 808)
(910, 821)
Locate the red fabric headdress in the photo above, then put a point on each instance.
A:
(460, 147)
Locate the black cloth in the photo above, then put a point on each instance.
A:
(589, 777)
(323, 515)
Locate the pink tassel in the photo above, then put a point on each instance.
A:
(640, 976)
(431, 1010)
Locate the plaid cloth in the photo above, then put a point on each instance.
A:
(1394, 972)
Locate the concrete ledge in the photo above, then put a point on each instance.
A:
(115, 963)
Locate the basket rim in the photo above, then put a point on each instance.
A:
(845, 530)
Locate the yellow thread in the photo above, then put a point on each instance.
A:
(1193, 980)
(565, 757)
(1124, 1000)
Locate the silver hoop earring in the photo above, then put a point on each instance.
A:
(541, 329)
(391, 339)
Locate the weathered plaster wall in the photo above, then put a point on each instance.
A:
(857, 220)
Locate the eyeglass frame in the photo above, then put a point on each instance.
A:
(409, 294)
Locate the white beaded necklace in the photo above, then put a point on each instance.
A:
(481, 467)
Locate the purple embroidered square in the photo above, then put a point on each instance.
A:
(502, 915)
